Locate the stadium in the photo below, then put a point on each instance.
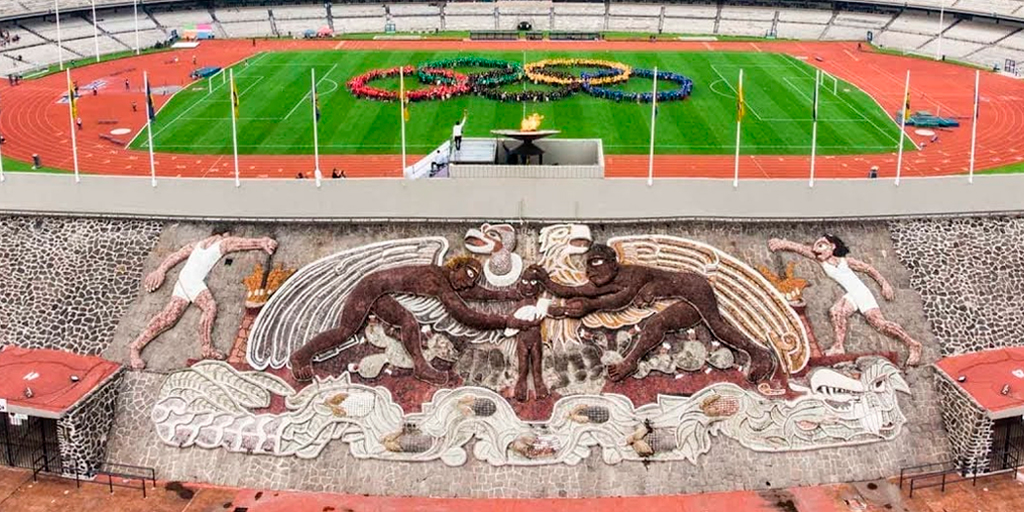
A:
(696, 255)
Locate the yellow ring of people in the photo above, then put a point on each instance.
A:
(535, 71)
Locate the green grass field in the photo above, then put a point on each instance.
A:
(276, 114)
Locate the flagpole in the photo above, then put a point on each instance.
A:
(974, 124)
(654, 110)
(2, 178)
(903, 127)
(71, 115)
(814, 127)
(60, 49)
(316, 137)
(736, 170)
(95, 31)
(401, 110)
(138, 47)
(149, 129)
(234, 126)
(942, 14)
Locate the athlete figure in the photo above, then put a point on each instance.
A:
(191, 288)
(831, 253)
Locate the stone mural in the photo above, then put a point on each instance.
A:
(642, 348)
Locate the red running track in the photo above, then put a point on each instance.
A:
(34, 122)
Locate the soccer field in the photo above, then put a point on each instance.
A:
(276, 112)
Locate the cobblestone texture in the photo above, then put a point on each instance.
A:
(728, 466)
(84, 431)
(66, 283)
(968, 427)
(970, 274)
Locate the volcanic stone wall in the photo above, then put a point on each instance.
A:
(66, 283)
(83, 432)
(968, 427)
(970, 274)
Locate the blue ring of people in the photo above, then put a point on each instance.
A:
(445, 83)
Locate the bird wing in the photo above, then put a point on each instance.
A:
(310, 301)
(745, 298)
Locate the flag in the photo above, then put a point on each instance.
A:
(741, 105)
(150, 108)
(977, 99)
(814, 104)
(71, 98)
(906, 106)
(403, 97)
(234, 97)
(316, 104)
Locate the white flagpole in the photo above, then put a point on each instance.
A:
(149, 130)
(2, 178)
(903, 127)
(95, 31)
(401, 110)
(974, 123)
(736, 171)
(60, 49)
(138, 47)
(814, 127)
(234, 125)
(74, 137)
(942, 14)
(316, 136)
(654, 118)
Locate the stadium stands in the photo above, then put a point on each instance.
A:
(892, 23)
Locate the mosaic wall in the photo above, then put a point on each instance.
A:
(83, 432)
(562, 395)
(66, 283)
(970, 274)
(968, 427)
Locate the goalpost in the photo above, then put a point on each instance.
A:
(825, 78)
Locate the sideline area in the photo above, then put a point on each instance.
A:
(18, 493)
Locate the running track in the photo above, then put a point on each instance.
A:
(34, 122)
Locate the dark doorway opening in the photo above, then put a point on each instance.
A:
(30, 444)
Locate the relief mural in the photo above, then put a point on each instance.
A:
(644, 348)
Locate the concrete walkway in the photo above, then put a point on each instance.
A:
(18, 493)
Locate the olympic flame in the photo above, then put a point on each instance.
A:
(531, 123)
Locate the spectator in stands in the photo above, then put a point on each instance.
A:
(457, 130)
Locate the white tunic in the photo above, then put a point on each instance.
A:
(192, 278)
(457, 130)
(856, 291)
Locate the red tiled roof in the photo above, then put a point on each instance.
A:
(48, 373)
(986, 373)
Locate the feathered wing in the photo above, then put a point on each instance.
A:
(430, 311)
(310, 301)
(745, 298)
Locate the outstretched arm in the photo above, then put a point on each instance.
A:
(887, 292)
(781, 244)
(487, 295)
(237, 244)
(462, 313)
(156, 277)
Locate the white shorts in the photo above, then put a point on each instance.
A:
(864, 301)
(188, 290)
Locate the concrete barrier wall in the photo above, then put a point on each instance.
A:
(507, 198)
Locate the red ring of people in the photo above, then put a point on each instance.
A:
(455, 84)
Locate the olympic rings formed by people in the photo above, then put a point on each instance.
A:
(617, 71)
(505, 72)
(444, 82)
(451, 84)
(678, 94)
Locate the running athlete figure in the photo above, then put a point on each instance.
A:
(191, 288)
(831, 253)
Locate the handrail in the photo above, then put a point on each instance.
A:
(974, 473)
(142, 473)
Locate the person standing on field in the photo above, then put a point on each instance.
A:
(457, 130)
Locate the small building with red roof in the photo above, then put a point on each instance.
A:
(56, 409)
(983, 409)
